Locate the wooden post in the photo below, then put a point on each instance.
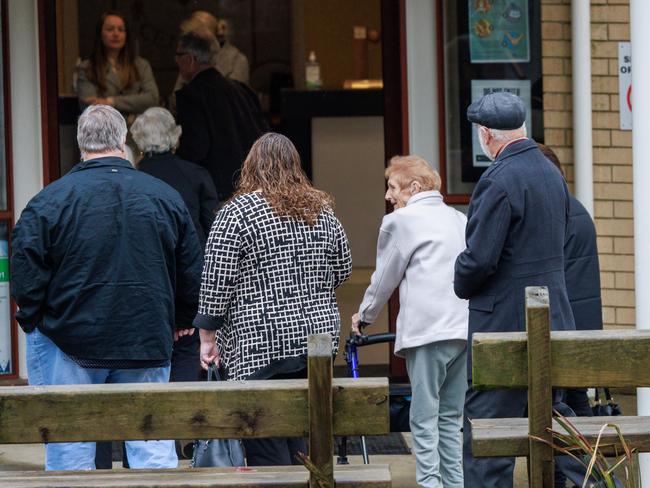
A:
(321, 426)
(540, 395)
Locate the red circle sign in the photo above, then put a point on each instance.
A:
(629, 97)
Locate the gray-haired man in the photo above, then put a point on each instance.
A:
(515, 238)
(221, 118)
(105, 263)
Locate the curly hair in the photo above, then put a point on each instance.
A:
(273, 168)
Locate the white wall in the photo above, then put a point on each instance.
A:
(422, 80)
(25, 113)
(348, 163)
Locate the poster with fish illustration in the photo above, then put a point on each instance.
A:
(498, 31)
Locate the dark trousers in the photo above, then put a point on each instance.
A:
(497, 472)
(276, 451)
(185, 367)
(578, 401)
(185, 359)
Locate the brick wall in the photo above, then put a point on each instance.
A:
(612, 147)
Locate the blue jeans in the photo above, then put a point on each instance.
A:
(48, 365)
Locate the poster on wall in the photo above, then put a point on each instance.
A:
(5, 310)
(498, 31)
(521, 88)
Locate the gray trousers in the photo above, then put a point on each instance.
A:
(438, 374)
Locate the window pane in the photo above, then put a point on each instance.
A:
(5, 307)
(489, 47)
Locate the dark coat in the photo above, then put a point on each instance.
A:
(192, 182)
(515, 238)
(581, 268)
(221, 119)
(106, 262)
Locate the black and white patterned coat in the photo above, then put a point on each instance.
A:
(268, 282)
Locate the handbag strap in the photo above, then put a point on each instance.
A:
(213, 371)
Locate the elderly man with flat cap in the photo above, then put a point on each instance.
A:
(515, 238)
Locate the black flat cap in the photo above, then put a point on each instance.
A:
(500, 110)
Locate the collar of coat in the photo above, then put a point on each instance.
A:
(109, 161)
(424, 195)
(516, 147)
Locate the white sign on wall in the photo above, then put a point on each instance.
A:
(480, 88)
(625, 85)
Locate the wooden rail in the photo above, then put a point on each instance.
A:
(319, 407)
(541, 360)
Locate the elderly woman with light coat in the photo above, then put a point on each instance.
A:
(416, 250)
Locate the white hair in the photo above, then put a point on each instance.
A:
(508, 135)
(101, 129)
(155, 131)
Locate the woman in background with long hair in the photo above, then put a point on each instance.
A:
(113, 75)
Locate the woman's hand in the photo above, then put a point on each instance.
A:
(356, 324)
(209, 353)
(99, 101)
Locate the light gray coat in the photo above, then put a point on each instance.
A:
(416, 250)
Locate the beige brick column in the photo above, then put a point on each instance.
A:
(612, 147)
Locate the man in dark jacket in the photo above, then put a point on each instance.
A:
(582, 274)
(221, 118)
(106, 269)
(515, 238)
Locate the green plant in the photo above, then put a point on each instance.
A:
(599, 468)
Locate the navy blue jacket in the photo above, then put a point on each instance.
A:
(515, 237)
(106, 262)
(581, 268)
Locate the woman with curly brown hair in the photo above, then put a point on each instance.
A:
(113, 75)
(274, 256)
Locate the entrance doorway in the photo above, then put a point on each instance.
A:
(344, 135)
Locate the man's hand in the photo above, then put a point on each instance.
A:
(178, 333)
(356, 324)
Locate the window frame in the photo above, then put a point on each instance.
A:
(7, 214)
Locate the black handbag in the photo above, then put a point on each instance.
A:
(607, 409)
(217, 453)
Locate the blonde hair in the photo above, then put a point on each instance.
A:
(273, 167)
(406, 169)
(200, 19)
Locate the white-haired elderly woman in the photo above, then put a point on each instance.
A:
(416, 250)
(156, 134)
